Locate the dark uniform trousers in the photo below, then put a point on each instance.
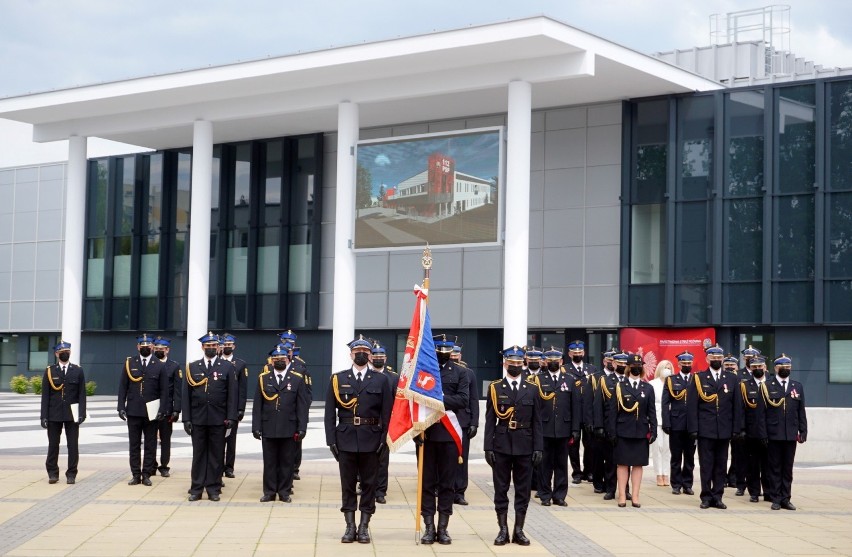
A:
(358, 444)
(757, 468)
(440, 453)
(681, 445)
(715, 422)
(279, 455)
(207, 407)
(607, 480)
(579, 472)
(300, 366)
(384, 459)
(560, 418)
(786, 422)
(165, 427)
(739, 465)
(231, 440)
(56, 409)
(149, 383)
(753, 465)
(467, 417)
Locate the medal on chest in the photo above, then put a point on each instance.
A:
(288, 386)
(215, 376)
(725, 387)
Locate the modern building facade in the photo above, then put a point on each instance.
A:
(635, 194)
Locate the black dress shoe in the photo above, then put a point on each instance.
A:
(460, 501)
(787, 505)
(229, 475)
(754, 499)
(636, 505)
(720, 505)
(267, 498)
(704, 505)
(296, 476)
(675, 491)
(598, 490)
(52, 479)
(688, 491)
(545, 502)
(622, 505)
(146, 481)
(776, 506)
(609, 497)
(194, 497)
(134, 481)
(213, 496)
(731, 484)
(740, 492)
(560, 503)
(380, 499)
(577, 480)
(165, 473)
(767, 499)
(285, 498)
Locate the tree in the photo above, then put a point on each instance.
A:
(363, 188)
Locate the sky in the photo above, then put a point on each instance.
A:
(57, 44)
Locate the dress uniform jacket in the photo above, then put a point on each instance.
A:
(279, 411)
(754, 410)
(455, 382)
(673, 401)
(634, 415)
(174, 376)
(519, 433)
(603, 393)
(374, 403)
(214, 398)
(469, 415)
(137, 388)
(561, 415)
(70, 388)
(719, 418)
(786, 418)
(242, 382)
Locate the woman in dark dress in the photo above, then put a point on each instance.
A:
(632, 425)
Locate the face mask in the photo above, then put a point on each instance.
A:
(576, 359)
(758, 372)
(361, 359)
(279, 365)
(553, 366)
(620, 369)
(63, 357)
(685, 369)
(666, 373)
(716, 365)
(144, 351)
(443, 357)
(534, 365)
(210, 352)
(635, 371)
(160, 354)
(227, 351)
(514, 371)
(609, 366)
(378, 364)
(783, 372)
(730, 369)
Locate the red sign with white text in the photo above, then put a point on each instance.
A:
(656, 345)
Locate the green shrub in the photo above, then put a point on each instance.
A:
(35, 383)
(20, 384)
(90, 388)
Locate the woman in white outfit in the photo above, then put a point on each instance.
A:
(660, 449)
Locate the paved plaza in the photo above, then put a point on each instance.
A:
(102, 516)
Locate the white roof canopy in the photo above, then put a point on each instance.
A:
(436, 76)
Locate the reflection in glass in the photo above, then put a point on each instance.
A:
(95, 268)
(97, 199)
(645, 304)
(242, 185)
(124, 198)
(237, 262)
(121, 313)
(691, 303)
(742, 302)
(743, 252)
(149, 272)
(184, 175)
(650, 153)
(793, 302)
(794, 234)
(121, 266)
(840, 235)
(839, 356)
(647, 244)
(796, 116)
(267, 260)
(744, 127)
(840, 135)
(838, 302)
(300, 259)
(692, 250)
(696, 131)
(155, 193)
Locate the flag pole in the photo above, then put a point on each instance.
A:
(426, 261)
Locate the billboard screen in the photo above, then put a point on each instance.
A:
(440, 189)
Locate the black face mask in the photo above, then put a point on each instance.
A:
(685, 369)
(534, 365)
(609, 366)
(211, 352)
(378, 363)
(635, 371)
(716, 365)
(514, 371)
(63, 357)
(279, 365)
(553, 366)
(783, 372)
(758, 372)
(144, 351)
(731, 369)
(227, 351)
(576, 359)
(443, 357)
(360, 359)
(160, 354)
(620, 369)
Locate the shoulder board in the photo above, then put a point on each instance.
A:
(297, 374)
(389, 368)
(300, 359)
(532, 378)
(129, 357)
(464, 363)
(264, 372)
(497, 381)
(245, 371)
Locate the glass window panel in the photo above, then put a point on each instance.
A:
(306, 148)
(297, 310)
(216, 182)
(184, 175)
(839, 357)
(691, 303)
(273, 179)
(95, 268)
(121, 266)
(237, 262)
(692, 249)
(40, 353)
(796, 117)
(840, 135)
(838, 302)
(236, 311)
(149, 273)
(299, 279)
(268, 316)
(94, 314)
(743, 252)
(763, 341)
(840, 235)
(97, 199)
(744, 165)
(267, 260)
(242, 185)
(793, 302)
(794, 234)
(124, 199)
(648, 244)
(742, 302)
(149, 310)
(645, 304)
(176, 313)
(155, 193)
(650, 151)
(696, 122)
(121, 313)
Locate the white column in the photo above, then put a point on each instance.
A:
(199, 237)
(75, 245)
(343, 316)
(517, 243)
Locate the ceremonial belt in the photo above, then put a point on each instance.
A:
(513, 424)
(357, 420)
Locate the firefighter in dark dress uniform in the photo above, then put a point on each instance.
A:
(674, 411)
(210, 401)
(513, 442)
(714, 416)
(756, 441)
(174, 376)
(298, 364)
(604, 392)
(229, 345)
(599, 442)
(786, 425)
(379, 364)
(532, 367)
(358, 405)
(561, 406)
(469, 422)
(581, 371)
(738, 466)
(143, 385)
(63, 391)
(280, 421)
